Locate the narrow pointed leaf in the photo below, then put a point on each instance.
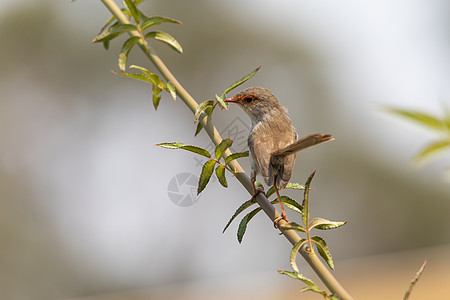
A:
(198, 129)
(201, 107)
(221, 101)
(154, 77)
(106, 45)
(156, 20)
(240, 209)
(235, 156)
(190, 148)
(156, 96)
(293, 226)
(305, 204)
(292, 204)
(220, 172)
(316, 289)
(114, 31)
(240, 81)
(298, 276)
(109, 22)
(141, 77)
(133, 10)
(207, 170)
(290, 185)
(419, 117)
(173, 145)
(243, 225)
(165, 38)
(323, 250)
(197, 150)
(324, 224)
(295, 186)
(222, 147)
(293, 256)
(432, 149)
(123, 56)
(172, 91)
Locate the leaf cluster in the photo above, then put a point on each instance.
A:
(212, 162)
(319, 242)
(138, 26)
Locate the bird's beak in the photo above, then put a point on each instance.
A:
(230, 100)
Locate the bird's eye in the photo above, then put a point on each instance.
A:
(248, 99)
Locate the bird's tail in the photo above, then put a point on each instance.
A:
(303, 143)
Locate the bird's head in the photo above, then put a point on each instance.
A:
(259, 103)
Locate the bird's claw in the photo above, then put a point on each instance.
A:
(282, 217)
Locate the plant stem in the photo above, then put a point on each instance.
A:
(321, 270)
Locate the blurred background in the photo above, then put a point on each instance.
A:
(91, 209)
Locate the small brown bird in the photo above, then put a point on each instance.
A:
(272, 140)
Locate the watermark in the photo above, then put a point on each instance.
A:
(182, 188)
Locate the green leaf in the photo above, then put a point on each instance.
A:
(240, 209)
(198, 129)
(207, 171)
(293, 226)
(221, 101)
(156, 20)
(133, 10)
(293, 256)
(113, 32)
(129, 43)
(109, 22)
(299, 276)
(220, 172)
(292, 204)
(316, 289)
(156, 96)
(305, 204)
(152, 76)
(197, 150)
(222, 147)
(201, 107)
(419, 117)
(295, 186)
(166, 38)
(172, 91)
(240, 81)
(208, 111)
(243, 225)
(135, 76)
(173, 145)
(431, 149)
(290, 185)
(235, 156)
(190, 148)
(324, 224)
(323, 250)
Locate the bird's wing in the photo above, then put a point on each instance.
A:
(303, 143)
(260, 145)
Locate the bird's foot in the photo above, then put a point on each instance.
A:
(282, 217)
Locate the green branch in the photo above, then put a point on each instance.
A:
(313, 260)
